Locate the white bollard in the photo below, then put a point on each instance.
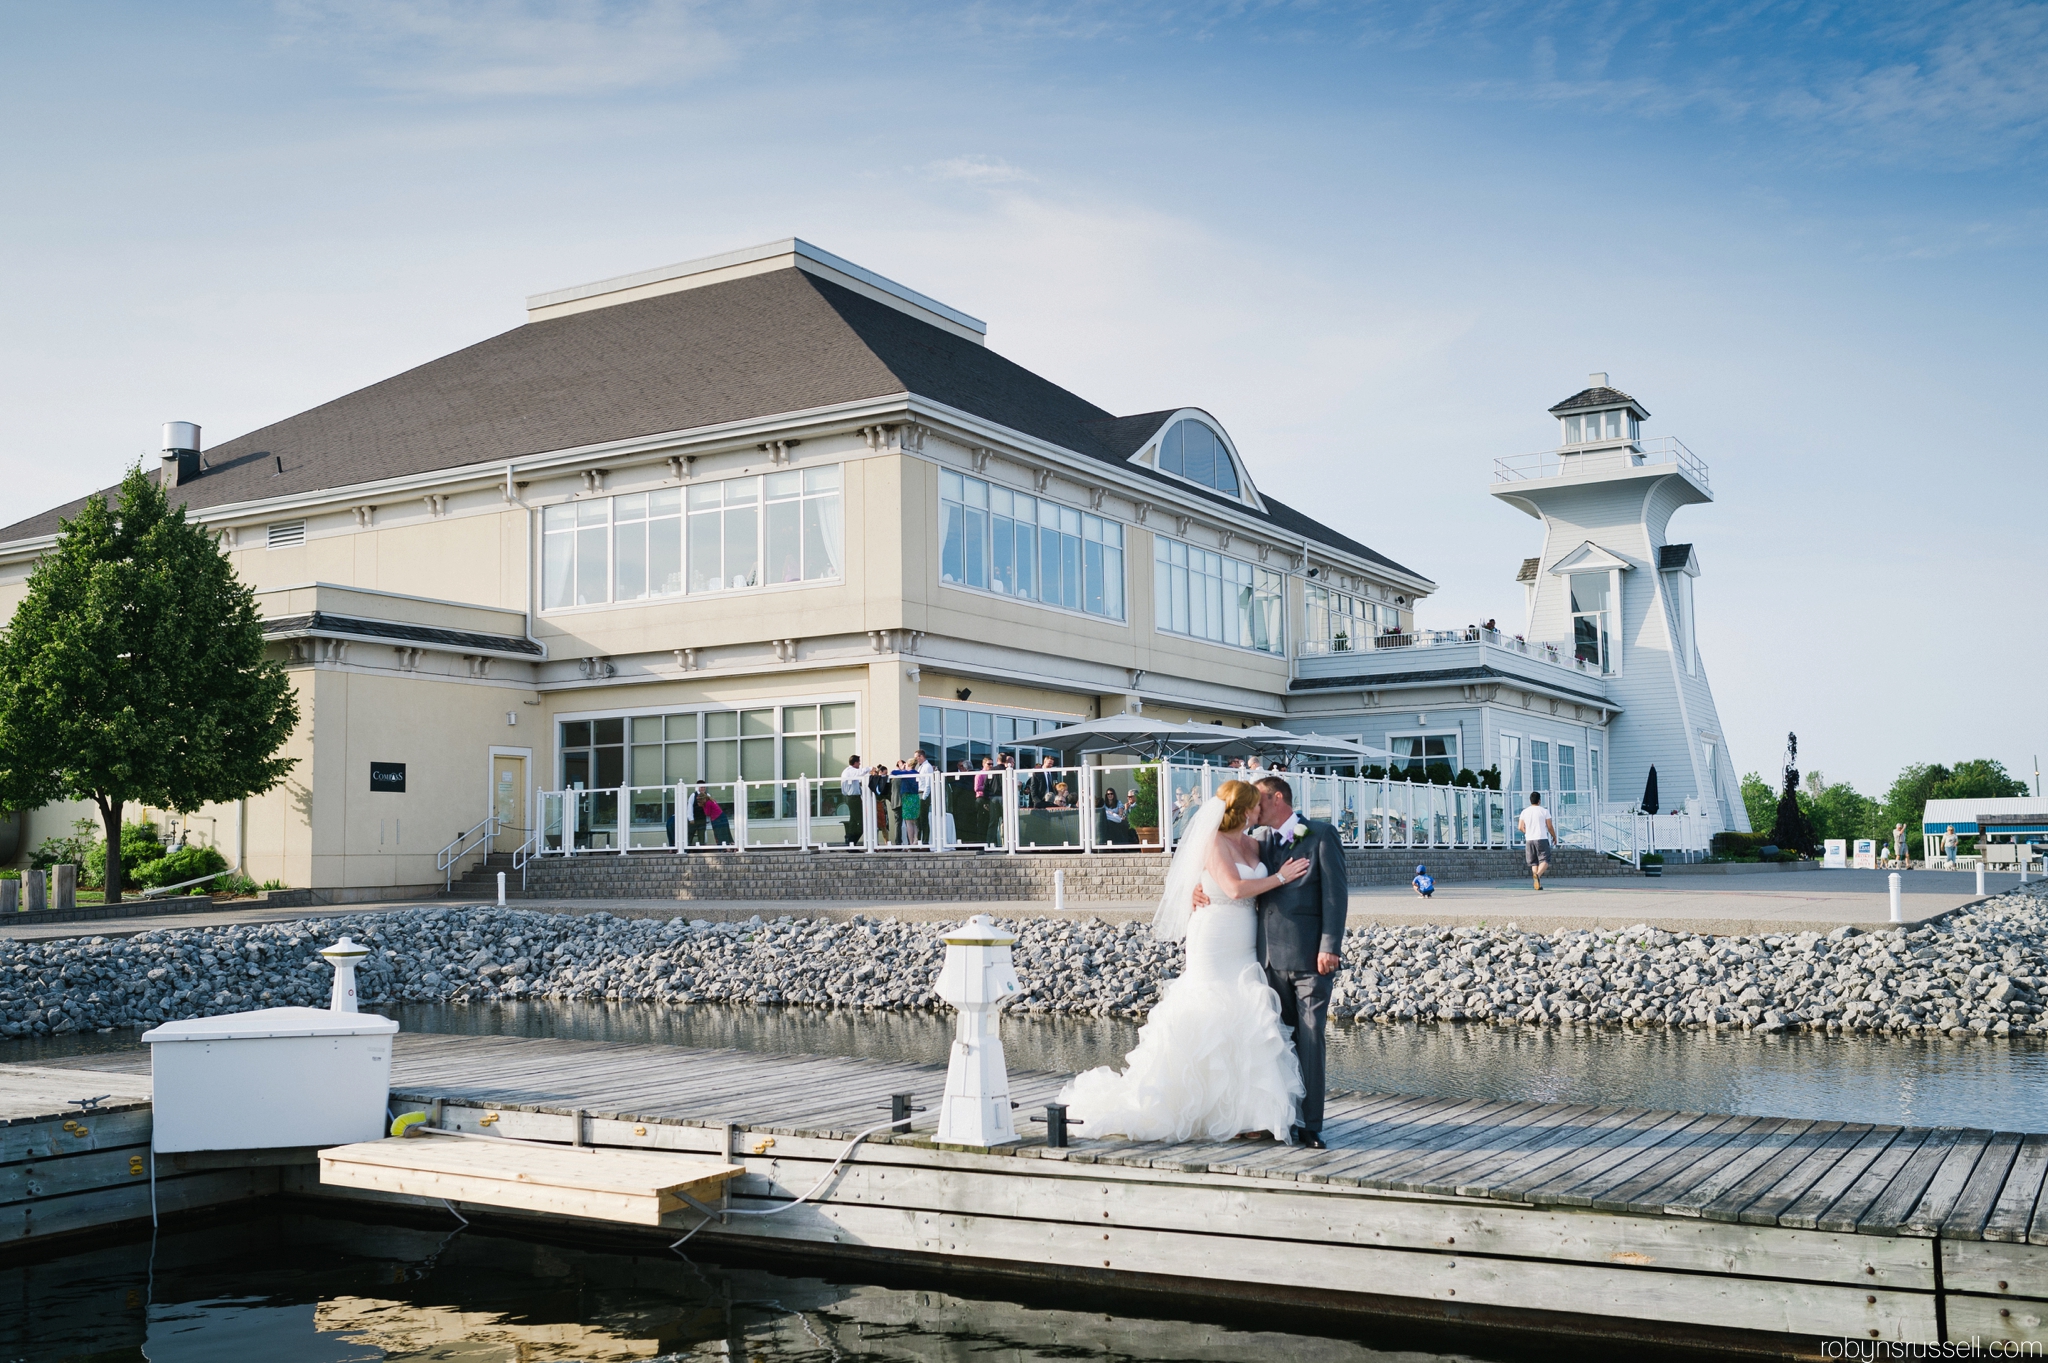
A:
(1059, 891)
(1898, 910)
(343, 956)
(1980, 877)
(501, 889)
(978, 976)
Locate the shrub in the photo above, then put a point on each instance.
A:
(187, 863)
(74, 851)
(1374, 773)
(1489, 777)
(269, 885)
(236, 884)
(1653, 858)
(1739, 846)
(1465, 777)
(139, 846)
(1144, 811)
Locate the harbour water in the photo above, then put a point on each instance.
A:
(1991, 1083)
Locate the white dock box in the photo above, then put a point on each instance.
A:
(272, 1078)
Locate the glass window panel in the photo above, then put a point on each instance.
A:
(742, 527)
(665, 556)
(975, 493)
(1567, 768)
(705, 552)
(1070, 572)
(757, 722)
(576, 734)
(1070, 521)
(647, 764)
(558, 518)
(1002, 575)
(705, 497)
(1226, 473)
(788, 483)
(1093, 599)
(1571, 430)
(611, 768)
(558, 570)
(1589, 591)
(929, 720)
(953, 543)
(1048, 516)
(999, 501)
(608, 730)
(593, 512)
(721, 761)
(741, 491)
(1170, 449)
(978, 725)
(1199, 462)
(1026, 545)
(833, 717)
(823, 537)
(799, 719)
(837, 749)
(1006, 729)
(824, 479)
(629, 545)
(956, 724)
(576, 769)
(1113, 582)
(590, 565)
(785, 541)
(722, 724)
(800, 757)
(680, 763)
(949, 485)
(1539, 764)
(631, 507)
(975, 540)
(646, 728)
(680, 726)
(667, 501)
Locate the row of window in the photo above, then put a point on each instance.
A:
(1540, 773)
(1035, 550)
(1206, 595)
(768, 743)
(711, 537)
(953, 737)
(1600, 426)
(1338, 622)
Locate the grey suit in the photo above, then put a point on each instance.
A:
(1296, 923)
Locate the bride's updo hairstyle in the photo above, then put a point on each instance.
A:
(1239, 798)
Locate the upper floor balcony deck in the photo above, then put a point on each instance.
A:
(1455, 654)
(1601, 461)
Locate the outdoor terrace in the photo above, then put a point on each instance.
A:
(1455, 652)
(1603, 462)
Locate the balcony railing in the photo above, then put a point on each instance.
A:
(1040, 810)
(1558, 654)
(1610, 459)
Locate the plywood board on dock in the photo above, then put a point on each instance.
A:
(589, 1183)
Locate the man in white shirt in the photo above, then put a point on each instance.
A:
(1538, 833)
(850, 782)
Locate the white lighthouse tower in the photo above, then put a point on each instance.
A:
(1611, 582)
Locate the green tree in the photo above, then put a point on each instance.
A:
(1980, 778)
(133, 672)
(1760, 801)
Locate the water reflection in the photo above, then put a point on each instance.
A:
(315, 1289)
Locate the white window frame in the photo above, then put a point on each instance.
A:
(1122, 549)
(1457, 743)
(1157, 449)
(1161, 601)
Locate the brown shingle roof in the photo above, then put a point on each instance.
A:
(745, 349)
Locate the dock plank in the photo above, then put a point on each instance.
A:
(1806, 1210)
(1889, 1210)
(2014, 1210)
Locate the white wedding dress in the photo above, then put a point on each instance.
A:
(1212, 1061)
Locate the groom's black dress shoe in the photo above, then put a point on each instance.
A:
(1307, 1139)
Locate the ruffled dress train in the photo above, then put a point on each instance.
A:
(1212, 1061)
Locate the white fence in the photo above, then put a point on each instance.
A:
(1058, 809)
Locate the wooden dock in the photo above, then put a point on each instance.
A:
(1756, 1233)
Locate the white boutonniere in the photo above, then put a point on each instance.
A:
(1293, 831)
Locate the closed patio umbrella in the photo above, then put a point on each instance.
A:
(1650, 793)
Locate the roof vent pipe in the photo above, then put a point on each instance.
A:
(181, 452)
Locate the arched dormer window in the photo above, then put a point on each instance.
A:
(1196, 453)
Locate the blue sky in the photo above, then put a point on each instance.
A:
(1375, 240)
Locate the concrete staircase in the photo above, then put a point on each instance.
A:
(928, 876)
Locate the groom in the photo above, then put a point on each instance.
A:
(1301, 937)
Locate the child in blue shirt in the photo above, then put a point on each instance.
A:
(1425, 883)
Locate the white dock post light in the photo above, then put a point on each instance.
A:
(1898, 912)
(978, 976)
(343, 956)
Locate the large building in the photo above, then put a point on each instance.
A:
(747, 516)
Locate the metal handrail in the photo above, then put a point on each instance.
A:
(464, 844)
(1665, 449)
(526, 851)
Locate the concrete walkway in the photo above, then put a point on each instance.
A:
(1722, 905)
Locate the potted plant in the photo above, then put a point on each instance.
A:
(1144, 814)
(1653, 863)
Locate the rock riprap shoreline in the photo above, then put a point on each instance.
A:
(1979, 972)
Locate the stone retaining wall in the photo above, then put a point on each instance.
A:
(1126, 876)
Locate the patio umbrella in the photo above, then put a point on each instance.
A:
(1113, 734)
(1650, 793)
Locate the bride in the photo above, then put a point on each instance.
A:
(1212, 1060)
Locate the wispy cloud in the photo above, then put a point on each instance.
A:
(496, 48)
(981, 170)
